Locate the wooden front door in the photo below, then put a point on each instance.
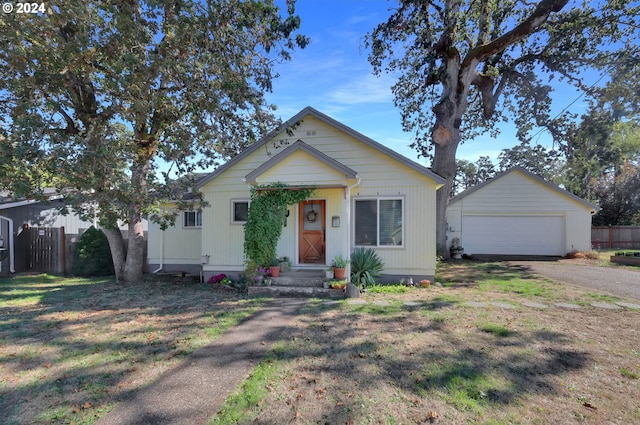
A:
(311, 230)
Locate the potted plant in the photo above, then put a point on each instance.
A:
(339, 266)
(285, 264)
(338, 284)
(274, 268)
(456, 252)
(456, 249)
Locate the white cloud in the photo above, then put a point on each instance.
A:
(363, 89)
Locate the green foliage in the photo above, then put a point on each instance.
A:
(497, 330)
(92, 256)
(366, 266)
(465, 67)
(98, 93)
(266, 217)
(544, 163)
(340, 262)
(619, 197)
(388, 289)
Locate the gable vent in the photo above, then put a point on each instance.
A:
(311, 133)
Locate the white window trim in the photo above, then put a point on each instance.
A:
(378, 199)
(233, 203)
(184, 222)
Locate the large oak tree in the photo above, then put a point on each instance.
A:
(108, 99)
(464, 66)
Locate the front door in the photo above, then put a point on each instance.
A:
(311, 225)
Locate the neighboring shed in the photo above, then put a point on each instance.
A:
(41, 238)
(518, 213)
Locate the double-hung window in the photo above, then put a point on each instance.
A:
(192, 218)
(379, 222)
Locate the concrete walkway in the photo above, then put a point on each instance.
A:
(194, 391)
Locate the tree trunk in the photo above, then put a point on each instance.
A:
(444, 164)
(134, 265)
(118, 251)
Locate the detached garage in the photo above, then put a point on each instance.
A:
(518, 213)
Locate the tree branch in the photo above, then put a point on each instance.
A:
(526, 27)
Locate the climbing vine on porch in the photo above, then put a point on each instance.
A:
(267, 213)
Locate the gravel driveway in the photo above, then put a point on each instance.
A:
(617, 281)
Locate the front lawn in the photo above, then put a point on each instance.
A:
(452, 355)
(71, 348)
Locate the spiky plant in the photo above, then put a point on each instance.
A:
(366, 266)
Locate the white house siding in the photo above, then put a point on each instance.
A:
(180, 246)
(302, 168)
(515, 194)
(380, 176)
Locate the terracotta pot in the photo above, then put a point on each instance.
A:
(338, 273)
(274, 271)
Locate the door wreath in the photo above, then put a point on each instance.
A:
(312, 216)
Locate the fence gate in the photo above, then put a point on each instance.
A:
(41, 249)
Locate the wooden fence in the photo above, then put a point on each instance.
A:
(49, 250)
(615, 237)
(44, 250)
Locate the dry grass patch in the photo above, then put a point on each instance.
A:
(445, 362)
(71, 348)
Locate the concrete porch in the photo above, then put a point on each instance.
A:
(298, 283)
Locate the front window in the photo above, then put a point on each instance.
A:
(239, 211)
(378, 222)
(192, 218)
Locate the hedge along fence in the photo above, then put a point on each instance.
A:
(615, 237)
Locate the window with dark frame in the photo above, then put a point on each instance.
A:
(192, 218)
(378, 222)
(240, 211)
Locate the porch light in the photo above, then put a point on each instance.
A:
(335, 221)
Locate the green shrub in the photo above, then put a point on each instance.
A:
(92, 256)
(366, 266)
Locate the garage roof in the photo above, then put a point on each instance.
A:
(594, 208)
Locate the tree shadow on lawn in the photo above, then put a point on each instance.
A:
(71, 347)
(469, 272)
(426, 357)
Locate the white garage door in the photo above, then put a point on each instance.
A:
(515, 235)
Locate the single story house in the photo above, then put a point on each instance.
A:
(365, 195)
(518, 213)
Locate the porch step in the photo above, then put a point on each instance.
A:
(296, 291)
(298, 283)
(300, 278)
(307, 282)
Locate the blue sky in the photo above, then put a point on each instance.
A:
(332, 74)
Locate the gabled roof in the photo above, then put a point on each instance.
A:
(529, 174)
(332, 122)
(298, 146)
